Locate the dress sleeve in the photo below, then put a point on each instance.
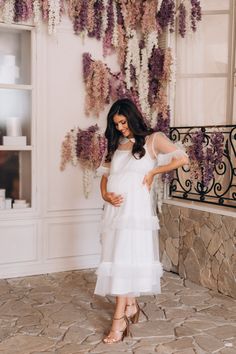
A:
(104, 168)
(164, 150)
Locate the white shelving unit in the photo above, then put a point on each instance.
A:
(16, 100)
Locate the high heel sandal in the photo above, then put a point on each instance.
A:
(135, 317)
(124, 332)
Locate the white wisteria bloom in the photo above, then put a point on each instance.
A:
(74, 159)
(104, 18)
(159, 2)
(53, 15)
(87, 181)
(128, 59)
(151, 42)
(36, 11)
(135, 52)
(132, 57)
(8, 11)
(143, 84)
(115, 29)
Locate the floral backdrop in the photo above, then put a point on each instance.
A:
(137, 31)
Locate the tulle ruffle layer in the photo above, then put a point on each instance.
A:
(128, 279)
(130, 223)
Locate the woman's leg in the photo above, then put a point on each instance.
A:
(119, 323)
(131, 306)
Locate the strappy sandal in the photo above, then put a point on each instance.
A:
(123, 333)
(135, 317)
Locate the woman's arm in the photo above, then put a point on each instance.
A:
(169, 156)
(175, 163)
(112, 198)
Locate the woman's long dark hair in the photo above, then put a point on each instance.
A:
(136, 124)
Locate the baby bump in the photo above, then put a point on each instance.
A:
(130, 186)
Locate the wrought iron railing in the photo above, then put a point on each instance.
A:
(222, 188)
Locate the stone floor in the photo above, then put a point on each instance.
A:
(58, 313)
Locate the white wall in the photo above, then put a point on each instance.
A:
(61, 232)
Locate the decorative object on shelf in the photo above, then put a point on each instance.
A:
(13, 125)
(14, 132)
(8, 203)
(2, 198)
(9, 72)
(20, 204)
(86, 147)
(5, 203)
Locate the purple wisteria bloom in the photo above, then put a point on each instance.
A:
(196, 14)
(87, 61)
(182, 20)
(166, 14)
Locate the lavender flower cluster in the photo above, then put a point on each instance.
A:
(196, 14)
(182, 20)
(163, 124)
(98, 11)
(205, 155)
(155, 65)
(23, 10)
(166, 15)
(90, 147)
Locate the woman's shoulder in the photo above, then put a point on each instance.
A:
(154, 135)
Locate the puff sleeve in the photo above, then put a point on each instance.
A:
(104, 168)
(164, 150)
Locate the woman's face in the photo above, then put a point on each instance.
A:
(121, 124)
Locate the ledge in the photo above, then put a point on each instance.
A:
(202, 207)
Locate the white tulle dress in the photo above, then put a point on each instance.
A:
(130, 263)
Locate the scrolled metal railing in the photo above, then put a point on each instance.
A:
(220, 189)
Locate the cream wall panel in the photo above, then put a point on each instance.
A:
(72, 239)
(65, 93)
(18, 243)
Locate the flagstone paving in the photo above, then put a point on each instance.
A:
(58, 313)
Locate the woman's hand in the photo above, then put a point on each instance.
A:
(114, 199)
(148, 179)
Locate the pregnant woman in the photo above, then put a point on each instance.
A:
(130, 264)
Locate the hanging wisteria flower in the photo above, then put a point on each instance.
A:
(45, 10)
(107, 39)
(97, 88)
(132, 57)
(54, 11)
(115, 29)
(91, 18)
(143, 85)
(195, 14)
(163, 124)
(148, 23)
(98, 16)
(104, 18)
(87, 62)
(8, 11)
(37, 11)
(168, 61)
(66, 150)
(121, 48)
(166, 14)
(205, 155)
(86, 147)
(182, 19)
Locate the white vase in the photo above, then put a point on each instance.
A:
(13, 125)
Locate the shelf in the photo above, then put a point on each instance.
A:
(15, 87)
(15, 148)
